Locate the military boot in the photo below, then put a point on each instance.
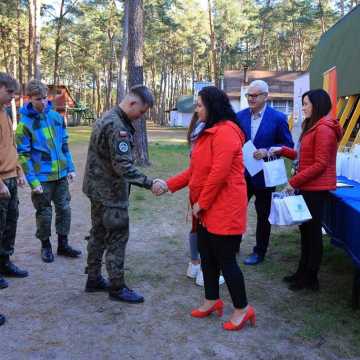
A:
(2, 319)
(47, 255)
(96, 284)
(64, 249)
(125, 294)
(3, 283)
(8, 268)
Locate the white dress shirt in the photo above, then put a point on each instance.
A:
(256, 119)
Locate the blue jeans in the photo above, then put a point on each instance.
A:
(194, 250)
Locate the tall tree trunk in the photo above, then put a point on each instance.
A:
(136, 75)
(98, 94)
(57, 44)
(93, 93)
(37, 73)
(121, 86)
(31, 38)
(215, 71)
(20, 40)
(260, 58)
(322, 17)
(109, 77)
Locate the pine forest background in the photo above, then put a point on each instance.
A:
(83, 44)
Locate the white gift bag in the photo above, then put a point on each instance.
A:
(274, 213)
(288, 209)
(297, 209)
(279, 214)
(275, 172)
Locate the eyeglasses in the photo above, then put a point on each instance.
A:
(254, 96)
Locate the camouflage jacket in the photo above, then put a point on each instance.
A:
(110, 167)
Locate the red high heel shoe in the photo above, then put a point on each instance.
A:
(218, 307)
(249, 316)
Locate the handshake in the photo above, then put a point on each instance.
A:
(159, 187)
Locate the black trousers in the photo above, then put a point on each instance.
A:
(262, 207)
(9, 214)
(218, 253)
(311, 234)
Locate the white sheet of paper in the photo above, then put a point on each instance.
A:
(252, 165)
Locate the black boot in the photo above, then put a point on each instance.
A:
(307, 281)
(3, 283)
(293, 277)
(96, 284)
(47, 255)
(118, 291)
(297, 275)
(2, 319)
(64, 249)
(8, 268)
(312, 282)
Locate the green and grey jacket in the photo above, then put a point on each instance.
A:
(110, 166)
(42, 145)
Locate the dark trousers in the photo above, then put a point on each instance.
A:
(57, 192)
(311, 234)
(9, 213)
(218, 253)
(109, 234)
(262, 207)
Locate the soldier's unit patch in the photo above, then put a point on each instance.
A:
(123, 147)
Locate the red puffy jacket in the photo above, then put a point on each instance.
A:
(216, 179)
(317, 158)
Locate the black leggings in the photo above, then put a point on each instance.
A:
(218, 253)
(311, 234)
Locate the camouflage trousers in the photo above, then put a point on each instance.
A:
(109, 234)
(9, 214)
(58, 193)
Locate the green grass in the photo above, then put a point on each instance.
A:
(324, 316)
(79, 134)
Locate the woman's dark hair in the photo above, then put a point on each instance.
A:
(217, 105)
(191, 128)
(321, 106)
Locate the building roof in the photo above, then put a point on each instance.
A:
(339, 47)
(281, 83)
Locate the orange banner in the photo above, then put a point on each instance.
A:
(330, 85)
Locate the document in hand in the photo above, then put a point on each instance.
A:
(252, 165)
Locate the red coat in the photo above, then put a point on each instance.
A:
(317, 158)
(216, 179)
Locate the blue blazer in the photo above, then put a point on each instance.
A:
(273, 131)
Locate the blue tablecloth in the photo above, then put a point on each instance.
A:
(342, 218)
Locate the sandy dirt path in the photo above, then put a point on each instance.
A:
(51, 317)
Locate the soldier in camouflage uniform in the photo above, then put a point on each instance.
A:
(108, 174)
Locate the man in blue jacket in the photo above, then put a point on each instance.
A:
(265, 127)
(42, 144)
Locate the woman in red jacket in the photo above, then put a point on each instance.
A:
(218, 198)
(315, 176)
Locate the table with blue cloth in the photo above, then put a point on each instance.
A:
(342, 222)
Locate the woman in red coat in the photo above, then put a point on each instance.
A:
(218, 198)
(315, 176)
